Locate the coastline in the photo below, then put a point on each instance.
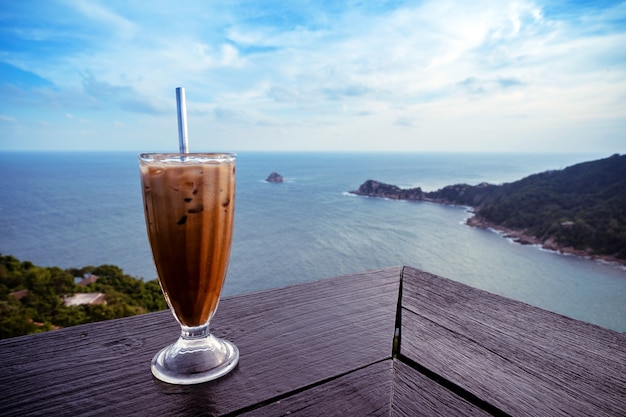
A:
(483, 195)
(520, 236)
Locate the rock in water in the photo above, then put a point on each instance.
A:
(274, 177)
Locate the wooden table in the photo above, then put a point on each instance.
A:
(390, 342)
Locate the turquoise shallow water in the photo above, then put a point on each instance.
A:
(76, 209)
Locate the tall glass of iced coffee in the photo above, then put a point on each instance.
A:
(189, 202)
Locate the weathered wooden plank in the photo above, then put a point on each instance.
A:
(288, 338)
(364, 392)
(387, 388)
(521, 359)
(416, 395)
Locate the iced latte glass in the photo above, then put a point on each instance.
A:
(189, 202)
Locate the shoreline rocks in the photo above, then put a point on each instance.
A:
(520, 237)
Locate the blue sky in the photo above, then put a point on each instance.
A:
(545, 76)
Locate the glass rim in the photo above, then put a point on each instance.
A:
(181, 157)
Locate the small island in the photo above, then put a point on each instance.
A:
(580, 209)
(274, 177)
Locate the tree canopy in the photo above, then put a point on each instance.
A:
(42, 308)
(581, 207)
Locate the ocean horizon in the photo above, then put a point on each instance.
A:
(73, 209)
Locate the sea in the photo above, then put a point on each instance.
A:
(73, 209)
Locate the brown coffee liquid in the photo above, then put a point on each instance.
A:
(189, 210)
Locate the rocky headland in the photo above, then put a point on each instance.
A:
(458, 194)
(579, 210)
(372, 188)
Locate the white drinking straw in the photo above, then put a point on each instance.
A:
(182, 120)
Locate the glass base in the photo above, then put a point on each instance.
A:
(195, 360)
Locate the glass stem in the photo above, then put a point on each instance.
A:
(194, 333)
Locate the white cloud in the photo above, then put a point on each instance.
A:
(7, 119)
(435, 66)
(95, 11)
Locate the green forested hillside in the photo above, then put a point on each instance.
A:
(42, 307)
(582, 206)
